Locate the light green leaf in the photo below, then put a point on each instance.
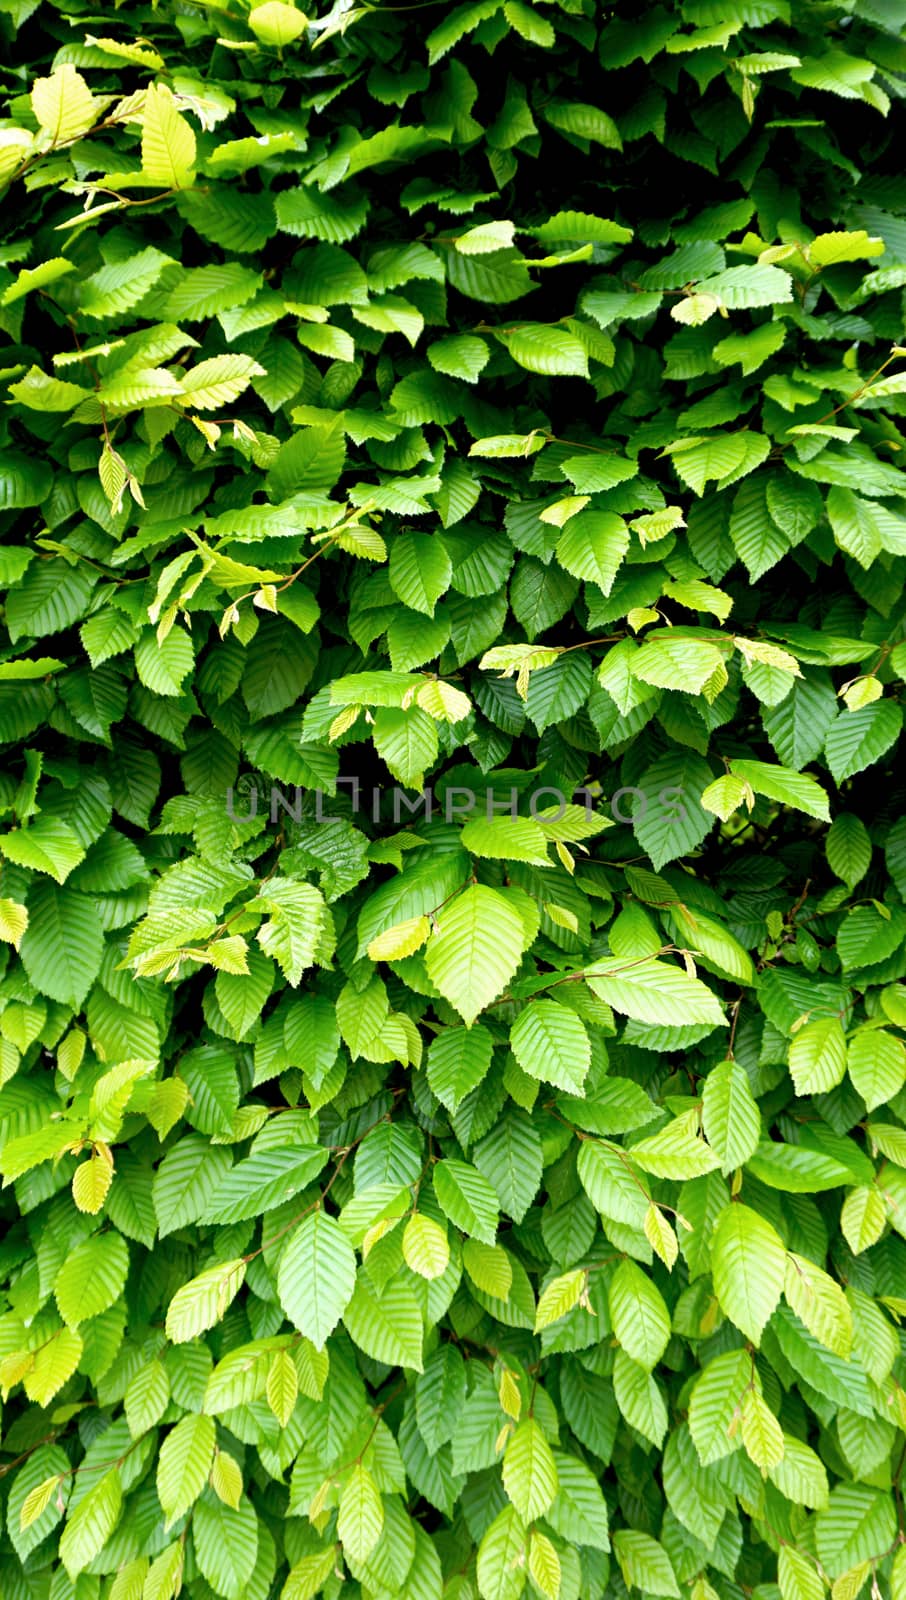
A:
(316, 1276)
(183, 1465)
(529, 1471)
(551, 1043)
(475, 950)
(730, 1115)
(641, 1321)
(748, 1262)
(168, 143)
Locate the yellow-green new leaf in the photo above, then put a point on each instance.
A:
(820, 1303)
(798, 1576)
(201, 1302)
(863, 1218)
(282, 1386)
(64, 105)
(544, 1565)
(360, 1517)
(226, 1479)
(559, 1298)
(277, 23)
(762, 1435)
(818, 1056)
(748, 1262)
(37, 1500)
(426, 1248)
(168, 142)
(529, 1471)
(183, 1465)
(91, 1523)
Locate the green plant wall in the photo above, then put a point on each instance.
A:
(452, 870)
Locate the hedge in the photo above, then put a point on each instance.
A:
(452, 1123)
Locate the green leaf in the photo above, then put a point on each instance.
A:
(361, 1515)
(506, 839)
(546, 350)
(529, 1471)
(715, 1402)
(644, 1563)
(183, 1465)
(91, 1278)
(848, 848)
(781, 783)
(475, 950)
(387, 1325)
(90, 1525)
(420, 570)
(316, 1277)
(858, 1524)
(501, 1554)
(408, 743)
(730, 1115)
(641, 1321)
(676, 1151)
(467, 1198)
(876, 1063)
(748, 1262)
(63, 944)
(168, 143)
(458, 1060)
(592, 546)
(640, 1399)
(654, 991)
(550, 1043)
(48, 845)
(818, 1057)
(668, 662)
(859, 738)
(225, 1540)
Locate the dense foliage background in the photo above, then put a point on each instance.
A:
(503, 1190)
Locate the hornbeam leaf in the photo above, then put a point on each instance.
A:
(820, 1303)
(467, 1198)
(501, 1554)
(361, 1515)
(748, 1262)
(654, 991)
(316, 1276)
(203, 1301)
(730, 1115)
(551, 1043)
(644, 1563)
(818, 1056)
(386, 1325)
(63, 104)
(183, 1464)
(641, 1321)
(475, 950)
(559, 1298)
(168, 143)
(529, 1471)
(90, 1525)
(781, 783)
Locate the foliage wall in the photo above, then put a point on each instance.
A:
(500, 1189)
